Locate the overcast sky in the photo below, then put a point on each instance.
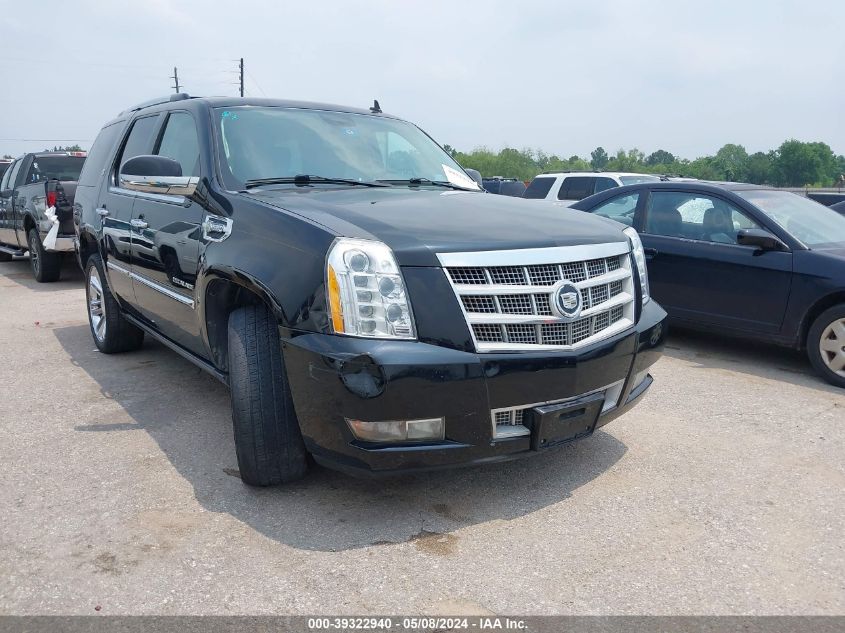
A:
(563, 76)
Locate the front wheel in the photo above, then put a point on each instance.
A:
(826, 345)
(268, 441)
(45, 266)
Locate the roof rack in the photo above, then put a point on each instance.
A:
(574, 171)
(179, 96)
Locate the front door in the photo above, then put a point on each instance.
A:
(699, 273)
(7, 226)
(165, 235)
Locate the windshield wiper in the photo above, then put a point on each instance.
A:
(302, 180)
(416, 182)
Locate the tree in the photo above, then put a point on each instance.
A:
(760, 168)
(632, 160)
(59, 148)
(800, 164)
(731, 162)
(450, 150)
(599, 158)
(660, 157)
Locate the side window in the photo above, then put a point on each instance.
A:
(603, 184)
(539, 188)
(576, 187)
(92, 169)
(620, 209)
(694, 216)
(180, 143)
(140, 140)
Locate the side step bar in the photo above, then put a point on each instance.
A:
(14, 252)
(199, 362)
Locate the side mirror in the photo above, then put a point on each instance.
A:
(759, 238)
(476, 176)
(156, 174)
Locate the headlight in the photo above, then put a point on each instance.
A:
(639, 258)
(366, 292)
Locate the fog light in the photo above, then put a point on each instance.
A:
(398, 430)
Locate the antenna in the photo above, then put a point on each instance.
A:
(376, 109)
(175, 79)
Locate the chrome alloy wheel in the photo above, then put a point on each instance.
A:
(33, 255)
(832, 347)
(96, 304)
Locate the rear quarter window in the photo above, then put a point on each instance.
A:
(100, 152)
(539, 187)
(576, 187)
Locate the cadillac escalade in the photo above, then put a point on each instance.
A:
(366, 303)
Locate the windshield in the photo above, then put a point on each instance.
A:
(813, 224)
(635, 180)
(277, 142)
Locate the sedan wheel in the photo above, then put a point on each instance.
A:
(832, 347)
(826, 344)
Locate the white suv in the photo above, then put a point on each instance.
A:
(570, 186)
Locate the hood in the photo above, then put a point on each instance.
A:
(419, 223)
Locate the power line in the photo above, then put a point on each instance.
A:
(249, 74)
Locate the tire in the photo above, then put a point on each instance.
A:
(111, 332)
(5, 257)
(46, 267)
(268, 441)
(826, 345)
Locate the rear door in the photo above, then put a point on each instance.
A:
(115, 207)
(699, 273)
(166, 233)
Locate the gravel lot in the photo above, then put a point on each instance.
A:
(722, 492)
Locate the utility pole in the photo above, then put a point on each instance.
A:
(242, 76)
(176, 79)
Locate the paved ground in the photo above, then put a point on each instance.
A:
(721, 493)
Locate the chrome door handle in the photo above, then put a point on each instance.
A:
(102, 212)
(138, 224)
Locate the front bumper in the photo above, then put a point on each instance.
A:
(336, 377)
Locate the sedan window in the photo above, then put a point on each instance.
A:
(695, 216)
(620, 209)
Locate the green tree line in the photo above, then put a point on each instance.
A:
(793, 164)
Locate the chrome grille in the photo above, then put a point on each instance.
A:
(516, 304)
(506, 295)
(479, 303)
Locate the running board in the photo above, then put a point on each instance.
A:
(11, 251)
(199, 362)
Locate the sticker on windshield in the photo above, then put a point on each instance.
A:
(458, 178)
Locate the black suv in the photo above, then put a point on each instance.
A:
(362, 298)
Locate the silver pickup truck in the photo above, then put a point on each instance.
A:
(36, 210)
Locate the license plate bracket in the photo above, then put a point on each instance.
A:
(555, 424)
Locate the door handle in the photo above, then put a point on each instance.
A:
(102, 212)
(650, 253)
(138, 224)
